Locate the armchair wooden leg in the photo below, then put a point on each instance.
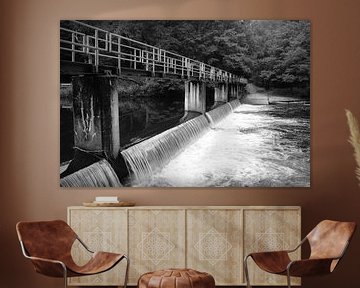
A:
(246, 271)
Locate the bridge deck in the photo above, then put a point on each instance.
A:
(87, 49)
(70, 68)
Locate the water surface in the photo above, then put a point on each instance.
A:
(256, 146)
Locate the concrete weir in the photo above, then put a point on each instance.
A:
(99, 174)
(97, 128)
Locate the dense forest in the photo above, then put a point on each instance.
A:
(267, 52)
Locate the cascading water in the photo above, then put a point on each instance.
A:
(234, 104)
(219, 113)
(149, 156)
(255, 146)
(99, 174)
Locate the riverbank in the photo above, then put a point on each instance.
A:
(260, 96)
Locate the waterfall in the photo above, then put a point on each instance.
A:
(149, 156)
(234, 104)
(99, 174)
(219, 113)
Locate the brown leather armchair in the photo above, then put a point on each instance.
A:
(48, 245)
(328, 242)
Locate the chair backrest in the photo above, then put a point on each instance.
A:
(329, 239)
(46, 239)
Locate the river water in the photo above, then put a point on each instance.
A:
(139, 119)
(255, 146)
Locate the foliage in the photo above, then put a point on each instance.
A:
(152, 87)
(281, 53)
(354, 140)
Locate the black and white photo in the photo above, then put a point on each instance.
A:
(190, 103)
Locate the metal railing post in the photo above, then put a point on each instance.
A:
(96, 52)
(107, 41)
(182, 67)
(73, 47)
(168, 64)
(153, 58)
(83, 42)
(147, 60)
(188, 67)
(165, 61)
(119, 55)
(88, 49)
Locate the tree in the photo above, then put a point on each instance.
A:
(281, 53)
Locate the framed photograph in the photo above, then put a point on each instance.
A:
(192, 103)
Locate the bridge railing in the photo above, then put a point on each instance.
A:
(83, 43)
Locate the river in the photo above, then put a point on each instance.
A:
(255, 146)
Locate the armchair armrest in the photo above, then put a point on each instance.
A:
(298, 246)
(280, 252)
(308, 267)
(49, 267)
(271, 261)
(83, 244)
(314, 266)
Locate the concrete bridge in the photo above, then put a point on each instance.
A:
(99, 61)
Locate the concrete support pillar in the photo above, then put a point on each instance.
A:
(195, 99)
(240, 90)
(96, 114)
(236, 91)
(232, 91)
(221, 93)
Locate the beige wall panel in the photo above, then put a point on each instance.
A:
(156, 240)
(214, 244)
(101, 230)
(269, 230)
